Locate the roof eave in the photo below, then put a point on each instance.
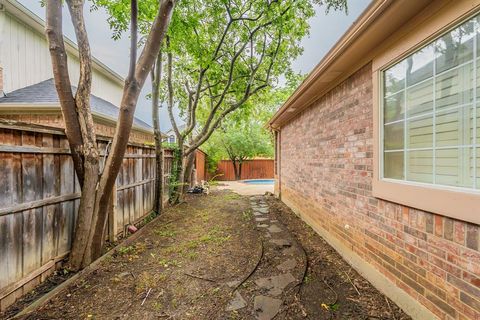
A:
(21, 108)
(332, 69)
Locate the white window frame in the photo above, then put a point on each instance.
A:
(474, 145)
(455, 202)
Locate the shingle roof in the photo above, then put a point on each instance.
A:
(44, 93)
(180, 128)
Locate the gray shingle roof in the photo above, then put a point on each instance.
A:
(44, 93)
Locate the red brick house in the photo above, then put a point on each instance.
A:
(387, 131)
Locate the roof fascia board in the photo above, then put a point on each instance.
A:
(359, 26)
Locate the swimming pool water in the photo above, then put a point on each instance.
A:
(259, 181)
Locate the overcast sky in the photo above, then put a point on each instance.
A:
(326, 29)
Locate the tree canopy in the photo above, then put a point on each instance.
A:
(220, 54)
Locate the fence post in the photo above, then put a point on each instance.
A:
(112, 216)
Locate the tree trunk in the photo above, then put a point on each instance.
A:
(240, 170)
(78, 117)
(159, 183)
(189, 164)
(53, 31)
(85, 214)
(133, 85)
(178, 174)
(96, 191)
(235, 169)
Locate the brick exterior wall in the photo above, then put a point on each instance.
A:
(56, 120)
(435, 259)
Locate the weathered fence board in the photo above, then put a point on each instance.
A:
(39, 199)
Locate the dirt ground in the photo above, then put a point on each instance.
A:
(331, 288)
(184, 265)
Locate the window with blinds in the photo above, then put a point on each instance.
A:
(431, 112)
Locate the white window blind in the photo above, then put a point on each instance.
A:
(431, 112)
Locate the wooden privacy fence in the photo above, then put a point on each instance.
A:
(39, 198)
(251, 169)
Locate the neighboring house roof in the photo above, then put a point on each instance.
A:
(354, 49)
(180, 128)
(43, 96)
(28, 17)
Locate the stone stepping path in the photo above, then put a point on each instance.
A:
(280, 269)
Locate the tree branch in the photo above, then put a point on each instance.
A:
(130, 96)
(170, 92)
(82, 96)
(54, 33)
(133, 39)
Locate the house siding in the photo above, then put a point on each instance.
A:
(26, 60)
(434, 259)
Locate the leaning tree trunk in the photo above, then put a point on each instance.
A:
(79, 121)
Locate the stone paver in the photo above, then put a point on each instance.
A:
(233, 284)
(266, 308)
(278, 270)
(287, 265)
(281, 242)
(274, 228)
(236, 303)
(261, 210)
(275, 284)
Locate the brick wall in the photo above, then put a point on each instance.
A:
(434, 259)
(56, 120)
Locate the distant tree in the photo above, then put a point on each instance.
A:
(223, 53)
(96, 189)
(243, 135)
(243, 141)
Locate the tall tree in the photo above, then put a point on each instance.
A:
(97, 188)
(243, 135)
(156, 74)
(220, 54)
(240, 141)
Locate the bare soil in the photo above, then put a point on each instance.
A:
(331, 288)
(181, 267)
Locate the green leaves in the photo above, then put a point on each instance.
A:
(226, 54)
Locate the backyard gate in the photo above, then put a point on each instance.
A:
(39, 198)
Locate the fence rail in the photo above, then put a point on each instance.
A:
(39, 199)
